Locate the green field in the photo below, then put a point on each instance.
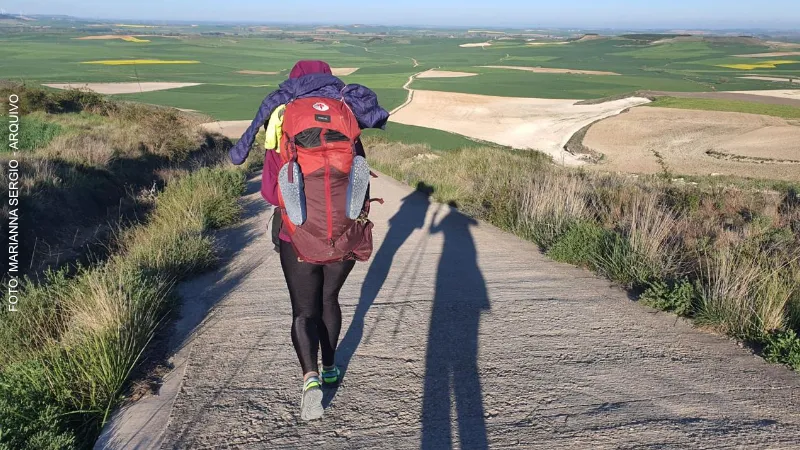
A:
(785, 111)
(435, 139)
(385, 62)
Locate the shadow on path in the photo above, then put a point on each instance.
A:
(451, 366)
(410, 217)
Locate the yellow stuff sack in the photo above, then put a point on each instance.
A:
(275, 129)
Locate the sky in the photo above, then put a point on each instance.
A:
(684, 14)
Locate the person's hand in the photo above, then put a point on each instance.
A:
(435, 218)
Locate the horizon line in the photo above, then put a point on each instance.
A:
(793, 28)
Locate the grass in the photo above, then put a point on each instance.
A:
(88, 164)
(410, 134)
(67, 359)
(86, 319)
(726, 256)
(220, 102)
(784, 111)
(34, 133)
(515, 83)
(674, 51)
(236, 102)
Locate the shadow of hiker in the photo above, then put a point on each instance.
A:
(451, 364)
(409, 217)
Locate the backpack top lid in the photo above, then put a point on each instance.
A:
(320, 113)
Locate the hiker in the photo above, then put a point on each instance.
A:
(317, 174)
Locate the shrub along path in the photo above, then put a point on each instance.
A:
(458, 334)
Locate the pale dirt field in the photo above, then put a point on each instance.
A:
(444, 74)
(256, 72)
(343, 71)
(592, 37)
(682, 138)
(779, 93)
(232, 129)
(677, 39)
(769, 55)
(477, 44)
(524, 123)
(122, 88)
(553, 70)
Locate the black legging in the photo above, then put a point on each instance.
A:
(317, 318)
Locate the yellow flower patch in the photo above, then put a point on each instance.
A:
(758, 65)
(133, 39)
(130, 62)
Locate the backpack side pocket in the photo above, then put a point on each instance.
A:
(294, 197)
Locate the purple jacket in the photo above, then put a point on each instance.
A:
(361, 100)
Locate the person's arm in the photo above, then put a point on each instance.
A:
(360, 148)
(436, 223)
(264, 185)
(364, 104)
(269, 181)
(241, 150)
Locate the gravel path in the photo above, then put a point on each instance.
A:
(460, 335)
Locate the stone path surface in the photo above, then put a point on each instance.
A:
(455, 335)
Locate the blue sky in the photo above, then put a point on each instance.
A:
(519, 13)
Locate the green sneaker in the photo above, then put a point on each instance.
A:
(331, 376)
(311, 402)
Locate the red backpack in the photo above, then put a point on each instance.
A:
(323, 182)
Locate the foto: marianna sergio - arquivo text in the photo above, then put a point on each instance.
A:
(12, 171)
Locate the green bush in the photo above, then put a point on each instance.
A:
(34, 133)
(580, 245)
(678, 296)
(30, 416)
(33, 99)
(588, 244)
(684, 201)
(213, 191)
(22, 334)
(164, 131)
(618, 261)
(783, 347)
(77, 100)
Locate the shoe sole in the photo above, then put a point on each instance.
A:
(311, 404)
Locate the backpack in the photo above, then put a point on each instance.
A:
(323, 183)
